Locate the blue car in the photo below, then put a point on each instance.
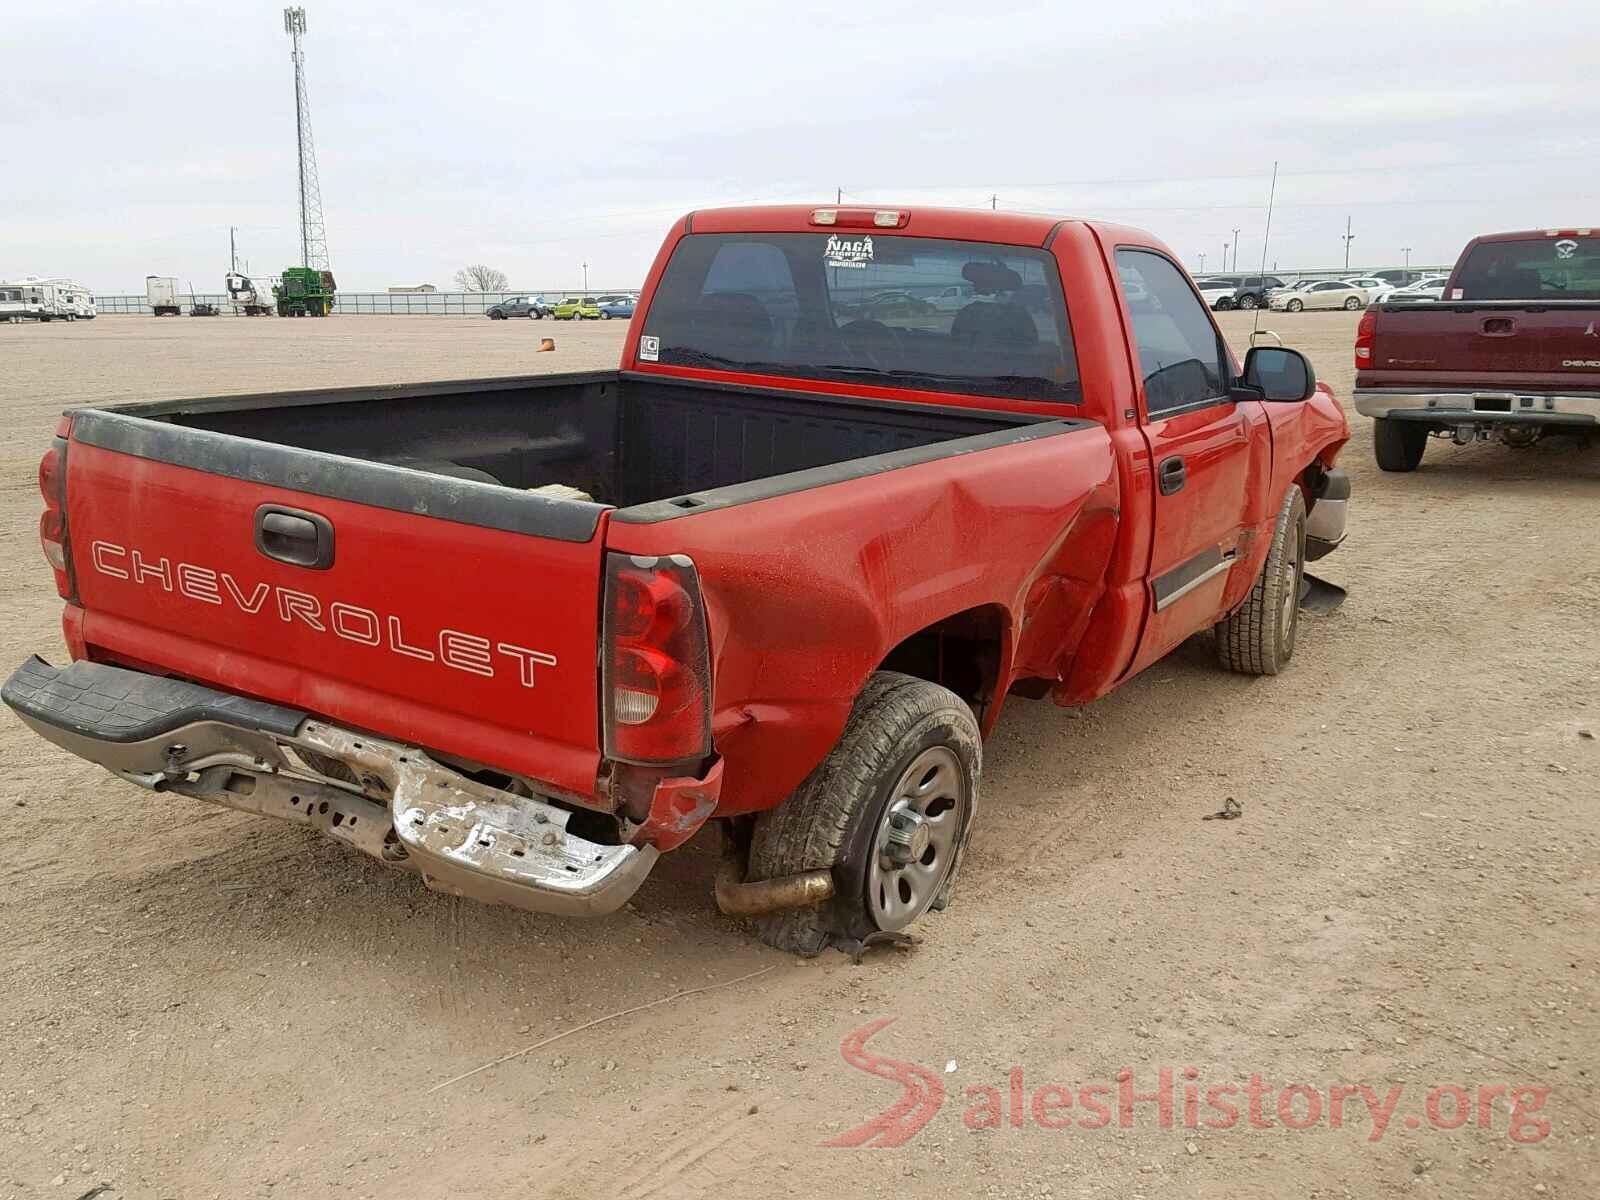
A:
(620, 307)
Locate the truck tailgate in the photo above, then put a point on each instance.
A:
(1488, 343)
(453, 615)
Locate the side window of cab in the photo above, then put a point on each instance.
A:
(1182, 357)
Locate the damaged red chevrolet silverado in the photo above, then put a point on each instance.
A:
(862, 474)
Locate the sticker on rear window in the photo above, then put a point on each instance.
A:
(649, 349)
(848, 252)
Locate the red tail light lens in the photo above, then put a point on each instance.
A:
(1364, 338)
(53, 523)
(656, 665)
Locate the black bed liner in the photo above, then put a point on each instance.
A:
(654, 448)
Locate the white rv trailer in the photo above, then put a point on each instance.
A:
(27, 299)
(34, 298)
(74, 302)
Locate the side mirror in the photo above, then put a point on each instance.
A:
(1279, 374)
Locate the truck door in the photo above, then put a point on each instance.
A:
(1199, 440)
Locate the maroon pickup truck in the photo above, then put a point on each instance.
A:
(1510, 351)
(862, 475)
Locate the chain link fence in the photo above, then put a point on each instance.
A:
(383, 304)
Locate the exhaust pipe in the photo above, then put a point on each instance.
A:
(739, 899)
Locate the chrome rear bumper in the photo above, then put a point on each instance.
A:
(389, 801)
(1486, 407)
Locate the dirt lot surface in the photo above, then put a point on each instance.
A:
(198, 1003)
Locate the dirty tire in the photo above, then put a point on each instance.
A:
(832, 819)
(1398, 445)
(1258, 638)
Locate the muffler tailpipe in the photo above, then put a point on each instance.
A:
(737, 898)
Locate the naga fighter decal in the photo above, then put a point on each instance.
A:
(454, 648)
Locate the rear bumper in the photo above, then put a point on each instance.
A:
(1473, 408)
(389, 801)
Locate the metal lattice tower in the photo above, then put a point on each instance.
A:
(313, 238)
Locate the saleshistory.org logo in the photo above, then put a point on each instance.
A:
(352, 622)
(1175, 1097)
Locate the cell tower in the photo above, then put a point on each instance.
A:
(313, 238)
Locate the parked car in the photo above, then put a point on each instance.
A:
(615, 307)
(536, 307)
(615, 626)
(1252, 292)
(951, 299)
(1377, 290)
(1429, 287)
(896, 305)
(1323, 293)
(1398, 277)
(576, 308)
(1514, 355)
(1217, 293)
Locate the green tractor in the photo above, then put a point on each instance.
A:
(305, 292)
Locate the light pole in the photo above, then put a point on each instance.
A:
(1406, 250)
(585, 279)
(1202, 262)
(1235, 249)
(1348, 238)
(1224, 256)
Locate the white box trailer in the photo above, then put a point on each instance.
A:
(161, 294)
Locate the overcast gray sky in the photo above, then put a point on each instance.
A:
(536, 136)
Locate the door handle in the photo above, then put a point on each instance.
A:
(1171, 475)
(294, 536)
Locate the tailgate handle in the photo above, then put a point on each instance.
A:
(294, 536)
(1499, 327)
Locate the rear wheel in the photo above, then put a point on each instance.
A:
(1352, 303)
(1258, 638)
(1225, 304)
(887, 813)
(1398, 445)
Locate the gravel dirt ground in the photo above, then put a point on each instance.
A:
(198, 1003)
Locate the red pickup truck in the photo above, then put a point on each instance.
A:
(863, 473)
(1511, 350)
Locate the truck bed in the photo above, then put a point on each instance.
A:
(656, 448)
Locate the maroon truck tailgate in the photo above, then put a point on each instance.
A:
(1487, 345)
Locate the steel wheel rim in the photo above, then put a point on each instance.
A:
(928, 806)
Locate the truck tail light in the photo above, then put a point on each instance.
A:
(1364, 338)
(655, 661)
(53, 523)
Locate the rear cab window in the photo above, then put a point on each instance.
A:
(1545, 268)
(969, 318)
